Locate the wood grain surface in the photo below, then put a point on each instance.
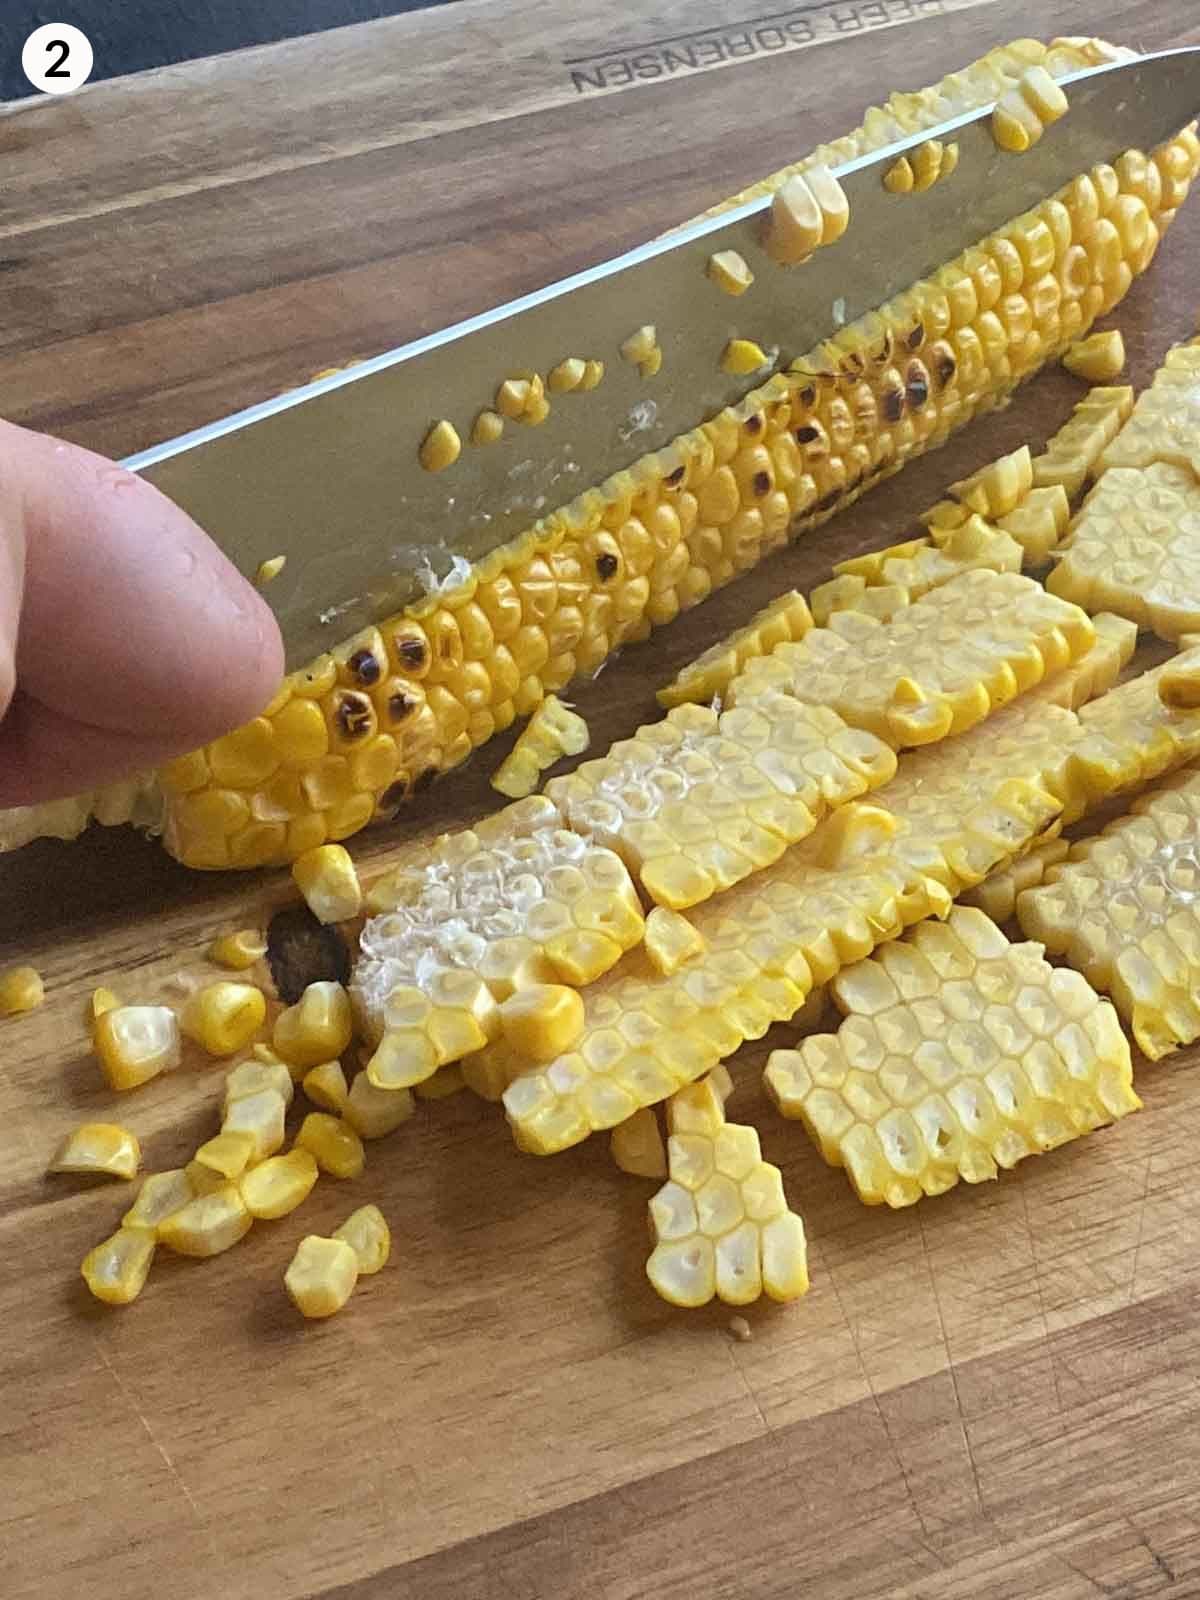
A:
(992, 1395)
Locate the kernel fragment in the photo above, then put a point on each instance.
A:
(637, 1145)
(1097, 359)
(368, 1235)
(567, 375)
(729, 271)
(238, 950)
(326, 1086)
(99, 1148)
(267, 570)
(742, 357)
(441, 447)
(554, 731)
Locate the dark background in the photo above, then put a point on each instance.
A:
(132, 35)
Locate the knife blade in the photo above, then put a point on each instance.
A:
(328, 475)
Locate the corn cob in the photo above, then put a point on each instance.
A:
(368, 1235)
(960, 1053)
(552, 732)
(361, 729)
(1122, 909)
(710, 674)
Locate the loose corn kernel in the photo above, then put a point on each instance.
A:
(441, 447)
(228, 1153)
(786, 618)
(261, 1117)
(373, 1113)
(671, 940)
(593, 372)
(552, 732)
(251, 1077)
(326, 1086)
(567, 375)
(275, 1187)
(806, 212)
(269, 569)
(742, 357)
(487, 428)
(135, 1043)
(317, 1028)
(729, 271)
(652, 365)
(327, 879)
(321, 1276)
(639, 346)
(999, 487)
(116, 1271)
(541, 1021)
(334, 1144)
(899, 178)
(637, 1145)
(368, 1235)
(223, 1017)
(1098, 358)
(238, 950)
(161, 1194)
(21, 989)
(207, 1225)
(102, 1148)
(536, 411)
(101, 1000)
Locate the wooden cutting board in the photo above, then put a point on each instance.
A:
(994, 1394)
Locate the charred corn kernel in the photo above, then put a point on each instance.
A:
(334, 1145)
(637, 1145)
(542, 1021)
(1039, 522)
(997, 895)
(21, 989)
(321, 1276)
(487, 427)
(960, 1053)
(1122, 910)
(228, 1153)
(238, 950)
(710, 674)
(102, 1148)
(1077, 450)
(671, 940)
(721, 1224)
(326, 1086)
(207, 1225)
(102, 1000)
(552, 732)
(373, 1113)
(445, 1082)
(441, 447)
(223, 1017)
(729, 271)
(741, 357)
(261, 1117)
(269, 569)
(1164, 428)
(116, 1271)
(639, 346)
(567, 375)
(275, 1187)
(252, 1077)
(941, 665)
(999, 487)
(1098, 358)
(161, 1194)
(368, 1235)
(593, 372)
(317, 1028)
(135, 1043)
(327, 879)
(899, 177)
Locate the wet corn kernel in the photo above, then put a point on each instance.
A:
(637, 1145)
(899, 177)
(101, 1148)
(554, 731)
(321, 1276)
(1078, 450)
(326, 1086)
(135, 1043)
(671, 940)
(275, 1187)
(441, 447)
(116, 1271)
(960, 1053)
(368, 1235)
(229, 1153)
(334, 1145)
(729, 271)
(261, 1117)
(373, 1113)
(267, 570)
(1122, 910)
(997, 895)
(786, 618)
(317, 1028)
(721, 1224)
(159, 1196)
(327, 879)
(223, 1017)
(207, 1225)
(567, 375)
(21, 989)
(741, 357)
(1099, 358)
(238, 950)
(1164, 427)
(252, 1077)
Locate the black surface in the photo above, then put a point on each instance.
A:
(133, 35)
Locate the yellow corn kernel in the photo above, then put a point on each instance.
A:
(960, 1053)
(317, 1028)
(321, 1276)
(639, 346)
(899, 177)
(261, 1116)
(334, 1145)
(729, 271)
(1098, 358)
(806, 212)
(999, 487)
(161, 1194)
(368, 1235)
(101, 1000)
(487, 428)
(238, 950)
(201, 1179)
(1078, 450)
(327, 879)
(742, 357)
(671, 940)
(207, 1225)
(223, 1017)
(652, 365)
(116, 1271)
(441, 447)
(102, 1148)
(710, 674)
(269, 569)
(228, 1153)
(542, 1021)
(997, 895)
(537, 410)
(637, 1145)
(251, 1077)
(1039, 521)
(552, 732)
(927, 164)
(373, 1113)
(135, 1043)
(567, 375)
(326, 1086)
(275, 1187)
(21, 989)
(445, 1082)
(593, 372)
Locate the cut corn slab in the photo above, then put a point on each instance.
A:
(960, 1053)
(786, 618)
(1123, 909)
(1165, 425)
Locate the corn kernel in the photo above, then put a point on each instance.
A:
(637, 1145)
(652, 365)
(729, 271)
(228, 1153)
(103, 1148)
(899, 177)
(334, 1144)
(373, 1113)
(269, 569)
(593, 373)
(542, 1021)
(326, 1086)
(742, 357)
(207, 1225)
(223, 1017)
(278, 1185)
(135, 1043)
(552, 732)
(368, 1235)
(441, 447)
(638, 347)
(116, 1271)
(321, 1276)
(238, 950)
(201, 1179)
(161, 1194)
(786, 618)
(671, 940)
(261, 1117)
(1098, 358)
(317, 1028)
(487, 428)
(251, 1077)
(329, 883)
(101, 1000)
(567, 375)
(21, 989)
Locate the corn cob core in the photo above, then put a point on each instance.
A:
(960, 1053)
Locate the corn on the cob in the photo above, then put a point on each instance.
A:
(637, 1145)
(368, 1235)
(361, 729)
(327, 879)
(1165, 424)
(21, 989)
(99, 1148)
(710, 674)
(552, 732)
(960, 1053)
(1099, 358)
(1079, 448)
(721, 1223)
(1122, 910)
(209, 1224)
(321, 1276)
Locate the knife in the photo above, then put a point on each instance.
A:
(328, 475)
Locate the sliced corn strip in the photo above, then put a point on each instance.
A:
(278, 1185)
(997, 895)
(21, 989)
(1165, 424)
(317, 1028)
(999, 487)
(161, 1194)
(1080, 447)
(326, 1086)
(1099, 358)
(103, 1148)
(259, 1116)
(334, 1144)
(882, 583)
(960, 1053)
(251, 1077)
(135, 1043)
(321, 1276)
(721, 1224)
(1039, 522)
(637, 1145)
(327, 879)
(207, 1225)
(1123, 910)
(368, 1235)
(373, 1112)
(228, 1153)
(710, 674)
(223, 1017)
(552, 732)
(238, 950)
(116, 1271)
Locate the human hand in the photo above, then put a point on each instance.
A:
(126, 637)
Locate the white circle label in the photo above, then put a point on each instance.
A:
(57, 58)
